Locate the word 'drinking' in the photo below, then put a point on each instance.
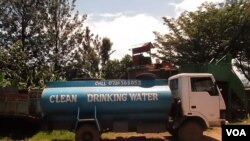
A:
(122, 97)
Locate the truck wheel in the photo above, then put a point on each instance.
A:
(190, 131)
(87, 133)
(173, 132)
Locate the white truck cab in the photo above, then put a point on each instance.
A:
(197, 105)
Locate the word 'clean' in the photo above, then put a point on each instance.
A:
(67, 98)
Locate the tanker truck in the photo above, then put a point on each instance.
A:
(185, 105)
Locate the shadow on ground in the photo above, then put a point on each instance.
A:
(168, 138)
(18, 128)
(23, 128)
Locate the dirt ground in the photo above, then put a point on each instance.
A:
(213, 134)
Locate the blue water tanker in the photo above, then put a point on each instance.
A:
(107, 103)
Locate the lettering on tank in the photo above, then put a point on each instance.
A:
(118, 83)
(63, 98)
(122, 97)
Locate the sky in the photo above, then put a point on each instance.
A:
(128, 23)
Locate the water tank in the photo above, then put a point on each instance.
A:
(107, 100)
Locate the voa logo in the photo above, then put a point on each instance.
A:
(236, 132)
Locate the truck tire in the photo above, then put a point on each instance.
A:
(190, 131)
(87, 133)
(173, 132)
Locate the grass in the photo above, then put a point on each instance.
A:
(5, 139)
(55, 135)
(63, 135)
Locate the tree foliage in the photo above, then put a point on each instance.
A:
(65, 33)
(115, 69)
(13, 66)
(46, 40)
(208, 33)
(105, 50)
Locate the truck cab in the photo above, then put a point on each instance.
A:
(197, 105)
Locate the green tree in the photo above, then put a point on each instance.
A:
(3, 81)
(112, 70)
(52, 37)
(13, 66)
(65, 33)
(193, 38)
(115, 69)
(208, 33)
(87, 60)
(18, 23)
(105, 50)
(91, 54)
(125, 63)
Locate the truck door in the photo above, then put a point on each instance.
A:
(204, 99)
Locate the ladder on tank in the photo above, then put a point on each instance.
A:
(94, 119)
